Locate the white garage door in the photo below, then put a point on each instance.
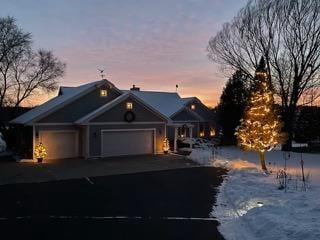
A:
(127, 142)
(60, 144)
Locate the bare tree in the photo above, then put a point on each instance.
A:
(287, 34)
(23, 71)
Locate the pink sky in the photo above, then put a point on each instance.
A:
(152, 44)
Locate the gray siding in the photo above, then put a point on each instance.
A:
(184, 115)
(81, 107)
(116, 114)
(95, 135)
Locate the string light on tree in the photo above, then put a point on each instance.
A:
(40, 152)
(260, 128)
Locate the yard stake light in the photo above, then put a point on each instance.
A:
(166, 145)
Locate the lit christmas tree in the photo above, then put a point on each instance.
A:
(260, 128)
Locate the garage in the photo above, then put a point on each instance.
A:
(60, 144)
(127, 142)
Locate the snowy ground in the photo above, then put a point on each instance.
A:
(250, 206)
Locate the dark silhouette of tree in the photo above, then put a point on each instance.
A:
(24, 72)
(287, 34)
(307, 127)
(231, 106)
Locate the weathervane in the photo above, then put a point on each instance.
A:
(101, 73)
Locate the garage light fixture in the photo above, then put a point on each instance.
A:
(129, 105)
(103, 93)
(193, 106)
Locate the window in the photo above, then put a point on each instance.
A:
(193, 106)
(103, 93)
(129, 105)
(201, 134)
(212, 132)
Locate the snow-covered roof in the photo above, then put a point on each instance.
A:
(68, 94)
(188, 99)
(166, 103)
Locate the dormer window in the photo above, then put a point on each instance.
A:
(129, 105)
(103, 93)
(193, 106)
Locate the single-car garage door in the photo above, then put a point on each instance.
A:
(126, 142)
(60, 144)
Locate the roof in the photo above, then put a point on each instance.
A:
(68, 94)
(166, 103)
(114, 102)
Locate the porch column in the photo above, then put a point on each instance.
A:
(175, 139)
(190, 136)
(190, 132)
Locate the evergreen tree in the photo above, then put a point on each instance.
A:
(260, 126)
(231, 106)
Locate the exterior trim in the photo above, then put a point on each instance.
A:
(33, 141)
(188, 110)
(122, 123)
(54, 124)
(130, 130)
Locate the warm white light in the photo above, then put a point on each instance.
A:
(193, 106)
(129, 105)
(166, 145)
(103, 93)
(212, 132)
(201, 134)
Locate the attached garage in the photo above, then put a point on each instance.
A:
(60, 144)
(127, 142)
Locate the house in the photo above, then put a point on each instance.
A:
(99, 120)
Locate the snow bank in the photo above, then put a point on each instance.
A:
(201, 156)
(250, 206)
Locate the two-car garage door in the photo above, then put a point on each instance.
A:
(127, 142)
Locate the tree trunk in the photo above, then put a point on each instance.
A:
(289, 119)
(262, 161)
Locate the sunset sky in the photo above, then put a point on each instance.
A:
(149, 43)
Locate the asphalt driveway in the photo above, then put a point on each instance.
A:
(28, 172)
(168, 204)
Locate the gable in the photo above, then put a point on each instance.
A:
(116, 113)
(82, 106)
(202, 110)
(184, 115)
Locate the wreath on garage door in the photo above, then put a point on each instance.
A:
(129, 116)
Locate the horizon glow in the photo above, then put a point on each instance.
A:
(152, 44)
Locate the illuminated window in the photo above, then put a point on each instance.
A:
(103, 93)
(193, 106)
(201, 134)
(212, 132)
(129, 105)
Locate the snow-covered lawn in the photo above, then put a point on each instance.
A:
(250, 206)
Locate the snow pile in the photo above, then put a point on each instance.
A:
(201, 156)
(250, 206)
